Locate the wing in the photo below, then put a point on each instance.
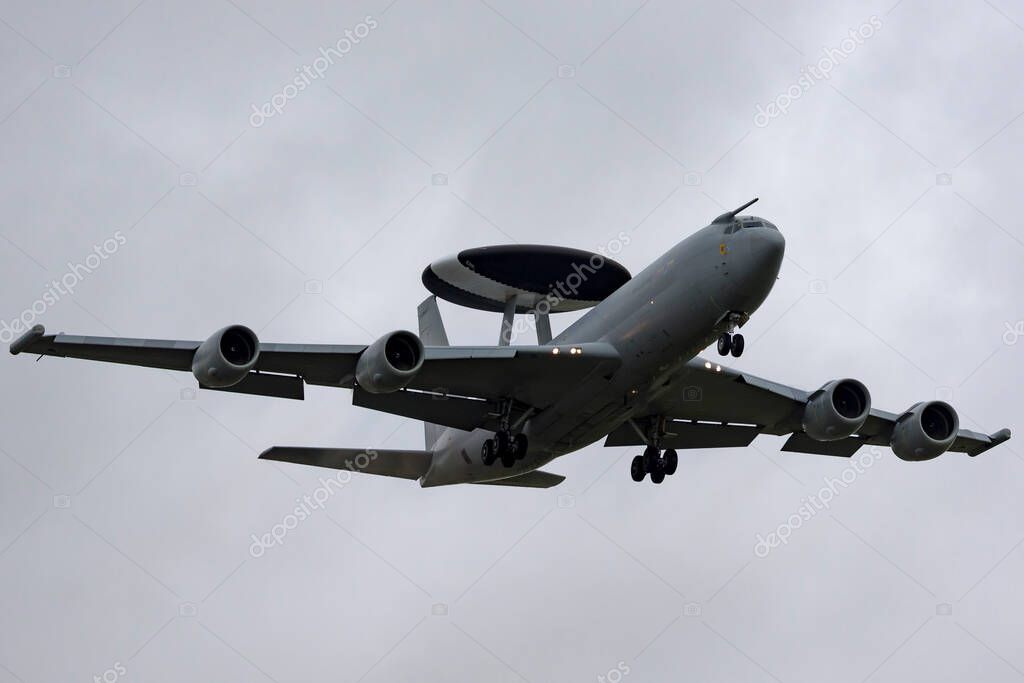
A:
(277, 372)
(723, 401)
(533, 376)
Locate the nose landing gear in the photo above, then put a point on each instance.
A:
(729, 342)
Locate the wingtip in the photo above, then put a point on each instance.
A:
(27, 339)
(995, 438)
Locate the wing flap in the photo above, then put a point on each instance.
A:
(466, 414)
(681, 435)
(266, 384)
(843, 448)
(534, 375)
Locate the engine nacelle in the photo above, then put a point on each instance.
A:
(390, 363)
(837, 410)
(926, 431)
(226, 357)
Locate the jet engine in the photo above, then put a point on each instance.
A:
(925, 431)
(226, 357)
(390, 363)
(837, 410)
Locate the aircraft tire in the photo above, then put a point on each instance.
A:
(650, 457)
(636, 468)
(671, 461)
(488, 452)
(520, 444)
(724, 344)
(737, 345)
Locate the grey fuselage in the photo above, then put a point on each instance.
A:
(658, 321)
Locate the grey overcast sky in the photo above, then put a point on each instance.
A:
(169, 145)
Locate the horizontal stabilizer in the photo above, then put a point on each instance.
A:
(387, 463)
(534, 480)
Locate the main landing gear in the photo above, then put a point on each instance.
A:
(504, 445)
(729, 342)
(653, 462)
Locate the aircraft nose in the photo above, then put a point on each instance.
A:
(762, 251)
(767, 247)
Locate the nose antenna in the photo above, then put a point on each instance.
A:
(731, 215)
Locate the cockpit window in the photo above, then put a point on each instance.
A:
(742, 223)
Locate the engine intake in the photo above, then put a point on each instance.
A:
(226, 357)
(926, 431)
(390, 363)
(837, 410)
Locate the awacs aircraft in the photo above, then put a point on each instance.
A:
(626, 371)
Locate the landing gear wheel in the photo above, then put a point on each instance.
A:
(671, 462)
(519, 446)
(636, 468)
(501, 442)
(737, 345)
(724, 344)
(658, 476)
(508, 457)
(488, 452)
(650, 458)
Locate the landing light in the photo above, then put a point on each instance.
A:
(718, 368)
(554, 351)
(707, 364)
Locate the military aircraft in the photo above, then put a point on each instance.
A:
(626, 371)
